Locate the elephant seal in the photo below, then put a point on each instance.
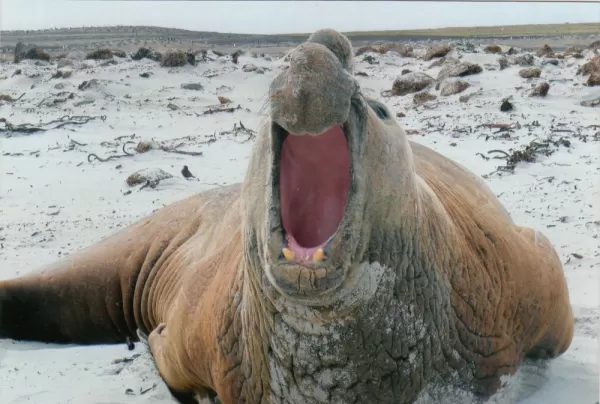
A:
(349, 266)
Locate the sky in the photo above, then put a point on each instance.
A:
(272, 17)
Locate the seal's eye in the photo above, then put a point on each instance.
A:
(379, 109)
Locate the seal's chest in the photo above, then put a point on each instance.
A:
(376, 360)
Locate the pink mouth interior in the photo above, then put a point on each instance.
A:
(314, 183)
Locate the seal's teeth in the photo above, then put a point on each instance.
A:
(288, 254)
(319, 255)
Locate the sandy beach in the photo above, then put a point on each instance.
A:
(64, 186)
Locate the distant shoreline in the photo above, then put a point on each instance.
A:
(129, 38)
(490, 31)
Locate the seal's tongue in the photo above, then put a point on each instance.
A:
(314, 184)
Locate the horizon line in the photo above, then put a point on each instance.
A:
(371, 32)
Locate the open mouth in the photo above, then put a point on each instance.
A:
(314, 184)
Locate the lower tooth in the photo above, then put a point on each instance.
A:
(288, 254)
(319, 255)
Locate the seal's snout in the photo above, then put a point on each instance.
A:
(337, 43)
(314, 93)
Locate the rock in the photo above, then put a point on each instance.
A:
(526, 59)
(235, 55)
(145, 146)
(203, 54)
(365, 49)
(589, 67)
(541, 90)
(573, 49)
(191, 58)
(530, 72)
(147, 53)
(400, 115)
(553, 62)
(150, 176)
(7, 98)
(174, 58)
(503, 62)
(371, 60)
(595, 45)
(544, 51)
(401, 49)
(512, 51)
(455, 68)
(223, 100)
(88, 84)
(104, 54)
(436, 51)
(23, 52)
(411, 83)
(252, 68)
(492, 49)
(249, 68)
(145, 75)
(451, 87)
(506, 106)
(62, 74)
(593, 79)
(405, 71)
(437, 63)
(422, 98)
(591, 100)
(192, 86)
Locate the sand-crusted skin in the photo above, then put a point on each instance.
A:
(439, 284)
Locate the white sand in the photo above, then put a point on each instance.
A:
(54, 202)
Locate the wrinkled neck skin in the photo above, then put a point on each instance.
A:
(389, 317)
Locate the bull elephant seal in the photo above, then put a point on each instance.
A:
(349, 266)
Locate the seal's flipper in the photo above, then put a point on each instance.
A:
(100, 294)
(183, 398)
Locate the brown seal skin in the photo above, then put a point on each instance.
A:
(426, 282)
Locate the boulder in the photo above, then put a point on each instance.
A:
(541, 90)
(545, 51)
(147, 53)
(411, 83)
(456, 68)
(422, 98)
(530, 72)
(23, 51)
(437, 51)
(174, 58)
(401, 49)
(492, 49)
(451, 87)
